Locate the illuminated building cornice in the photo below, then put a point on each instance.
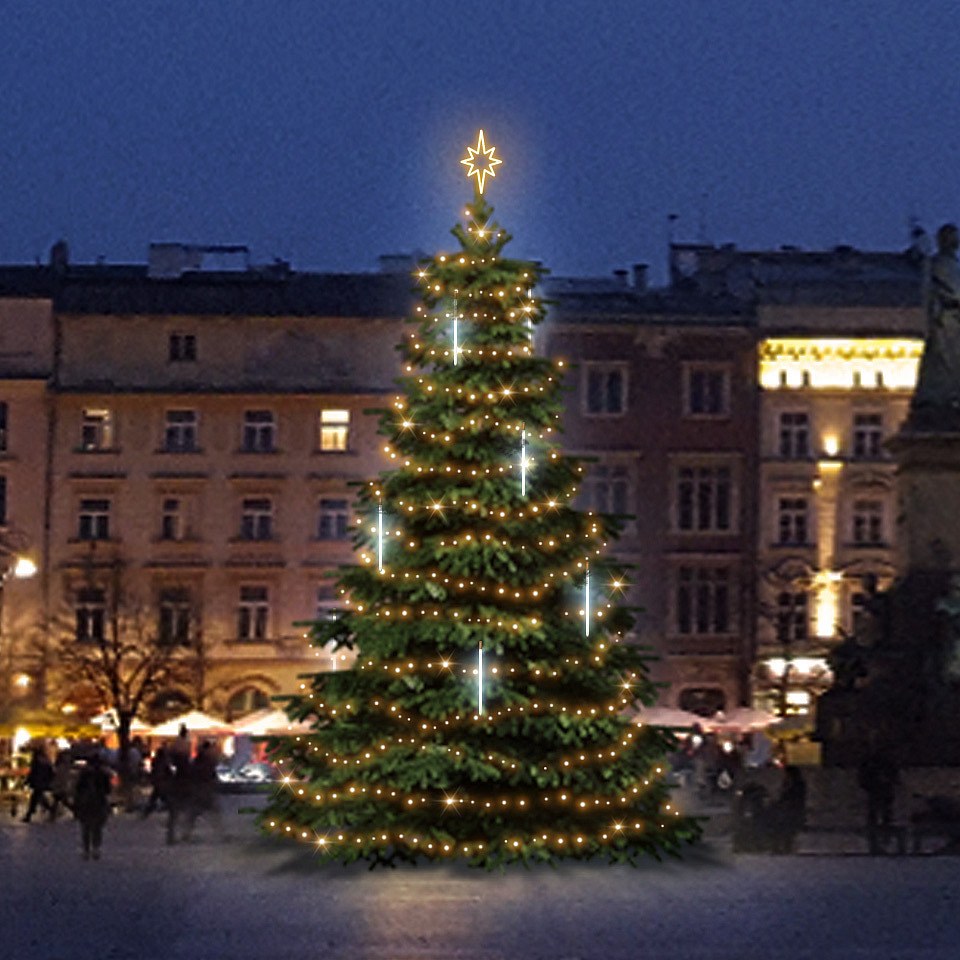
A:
(833, 363)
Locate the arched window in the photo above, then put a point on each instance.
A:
(245, 701)
(168, 704)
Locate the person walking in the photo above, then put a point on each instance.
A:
(39, 780)
(60, 783)
(161, 773)
(91, 804)
(203, 784)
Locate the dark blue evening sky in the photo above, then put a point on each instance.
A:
(328, 132)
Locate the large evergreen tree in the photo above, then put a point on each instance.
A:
(484, 717)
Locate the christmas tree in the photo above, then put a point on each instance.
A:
(486, 715)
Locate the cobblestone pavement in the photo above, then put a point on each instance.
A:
(248, 897)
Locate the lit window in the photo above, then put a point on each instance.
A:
(703, 600)
(94, 520)
(333, 518)
(704, 499)
(253, 613)
(96, 430)
(256, 519)
(180, 431)
(183, 347)
(334, 431)
(90, 611)
(867, 523)
(259, 431)
(707, 390)
(606, 389)
(175, 616)
(868, 436)
(792, 520)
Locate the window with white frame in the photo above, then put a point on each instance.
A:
(172, 519)
(702, 604)
(794, 439)
(256, 518)
(792, 616)
(706, 390)
(703, 498)
(333, 518)
(259, 432)
(334, 431)
(792, 525)
(605, 389)
(608, 489)
(96, 429)
(93, 519)
(867, 522)
(176, 615)
(868, 435)
(253, 612)
(180, 431)
(90, 609)
(327, 606)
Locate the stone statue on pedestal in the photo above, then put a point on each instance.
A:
(936, 403)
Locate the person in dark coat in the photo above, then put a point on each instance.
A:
(203, 788)
(161, 773)
(788, 812)
(39, 780)
(91, 804)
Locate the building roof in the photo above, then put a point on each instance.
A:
(130, 290)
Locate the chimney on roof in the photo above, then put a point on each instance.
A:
(621, 276)
(640, 276)
(60, 256)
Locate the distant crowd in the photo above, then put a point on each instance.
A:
(87, 781)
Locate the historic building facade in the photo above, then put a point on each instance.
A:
(193, 434)
(200, 436)
(663, 402)
(838, 339)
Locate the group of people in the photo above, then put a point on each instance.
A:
(81, 779)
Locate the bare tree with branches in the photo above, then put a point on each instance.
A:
(117, 647)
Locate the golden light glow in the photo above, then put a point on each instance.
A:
(481, 162)
(815, 363)
(828, 602)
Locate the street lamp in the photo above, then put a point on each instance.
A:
(18, 567)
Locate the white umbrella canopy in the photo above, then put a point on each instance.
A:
(107, 721)
(263, 723)
(667, 717)
(195, 722)
(740, 720)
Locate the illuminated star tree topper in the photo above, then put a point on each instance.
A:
(480, 162)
